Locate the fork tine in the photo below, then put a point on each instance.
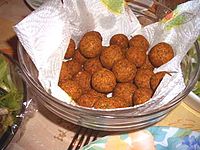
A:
(82, 137)
(88, 137)
(95, 135)
(92, 136)
(81, 140)
(73, 142)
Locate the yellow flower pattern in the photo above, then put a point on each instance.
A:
(116, 7)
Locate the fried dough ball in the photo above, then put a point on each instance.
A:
(92, 65)
(103, 81)
(139, 41)
(90, 46)
(68, 69)
(147, 64)
(124, 50)
(136, 55)
(72, 88)
(160, 54)
(95, 93)
(125, 91)
(142, 78)
(110, 55)
(65, 73)
(110, 103)
(79, 57)
(142, 95)
(83, 78)
(71, 49)
(95, 33)
(87, 100)
(119, 39)
(124, 71)
(156, 79)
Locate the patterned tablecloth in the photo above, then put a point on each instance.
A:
(44, 129)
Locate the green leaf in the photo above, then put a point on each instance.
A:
(10, 96)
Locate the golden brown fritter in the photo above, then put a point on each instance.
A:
(72, 88)
(147, 64)
(156, 79)
(119, 102)
(142, 78)
(124, 71)
(79, 57)
(90, 46)
(103, 81)
(142, 95)
(125, 91)
(139, 41)
(160, 54)
(65, 73)
(119, 39)
(95, 93)
(87, 100)
(124, 50)
(83, 78)
(95, 33)
(136, 55)
(92, 65)
(69, 68)
(110, 103)
(110, 55)
(70, 50)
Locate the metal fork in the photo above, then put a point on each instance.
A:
(82, 137)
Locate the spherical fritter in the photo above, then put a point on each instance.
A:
(95, 93)
(79, 57)
(125, 91)
(95, 33)
(160, 54)
(124, 50)
(103, 81)
(71, 49)
(87, 100)
(139, 41)
(142, 78)
(147, 64)
(90, 46)
(124, 71)
(110, 55)
(110, 103)
(72, 88)
(156, 79)
(83, 78)
(136, 55)
(142, 95)
(119, 39)
(92, 65)
(68, 69)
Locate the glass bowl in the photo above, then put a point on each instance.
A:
(9, 132)
(112, 120)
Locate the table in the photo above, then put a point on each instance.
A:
(43, 129)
